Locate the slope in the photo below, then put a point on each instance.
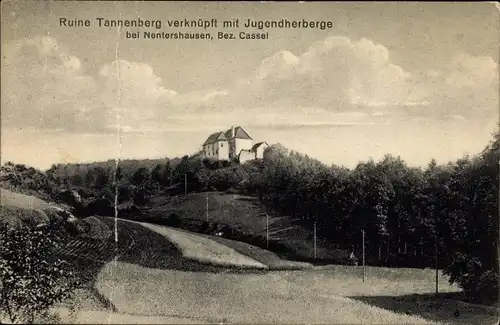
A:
(241, 218)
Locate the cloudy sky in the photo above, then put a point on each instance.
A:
(419, 80)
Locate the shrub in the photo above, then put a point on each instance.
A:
(479, 283)
(100, 206)
(32, 278)
(95, 228)
(174, 220)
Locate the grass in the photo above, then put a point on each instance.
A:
(333, 295)
(103, 317)
(273, 261)
(22, 201)
(19, 208)
(445, 307)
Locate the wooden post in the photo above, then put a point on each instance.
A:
(315, 240)
(363, 232)
(267, 230)
(437, 270)
(185, 185)
(206, 209)
(436, 251)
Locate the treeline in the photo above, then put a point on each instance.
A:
(411, 216)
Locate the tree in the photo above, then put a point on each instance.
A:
(141, 176)
(472, 224)
(161, 174)
(32, 278)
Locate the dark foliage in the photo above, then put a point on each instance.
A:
(32, 277)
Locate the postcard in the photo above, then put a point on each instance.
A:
(167, 162)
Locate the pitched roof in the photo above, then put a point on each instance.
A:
(214, 137)
(246, 152)
(257, 145)
(238, 133)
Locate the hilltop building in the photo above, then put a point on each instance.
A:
(232, 144)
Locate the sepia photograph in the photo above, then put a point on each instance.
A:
(190, 162)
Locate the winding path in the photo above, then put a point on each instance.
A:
(203, 249)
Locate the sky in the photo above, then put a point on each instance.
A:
(415, 80)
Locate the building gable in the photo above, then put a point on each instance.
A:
(214, 137)
(239, 133)
(257, 145)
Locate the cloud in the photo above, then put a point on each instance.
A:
(467, 86)
(45, 87)
(333, 73)
(133, 91)
(340, 74)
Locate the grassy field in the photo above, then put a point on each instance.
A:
(273, 261)
(16, 208)
(18, 200)
(334, 295)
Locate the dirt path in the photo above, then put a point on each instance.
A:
(204, 249)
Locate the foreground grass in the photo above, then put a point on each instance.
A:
(320, 295)
(68, 316)
(274, 297)
(443, 307)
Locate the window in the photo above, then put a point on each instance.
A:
(222, 144)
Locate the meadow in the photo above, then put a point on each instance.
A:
(320, 295)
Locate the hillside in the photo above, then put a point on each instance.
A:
(138, 243)
(23, 201)
(18, 208)
(242, 218)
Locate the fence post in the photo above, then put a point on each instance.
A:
(206, 208)
(185, 184)
(363, 241)
(267, 230)
(437, 271)
(315, 240)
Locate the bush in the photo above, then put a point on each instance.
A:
(140, 198)
(100, 206)
(32, 278)
(173, 220)
(479, 284)
(95, 228)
